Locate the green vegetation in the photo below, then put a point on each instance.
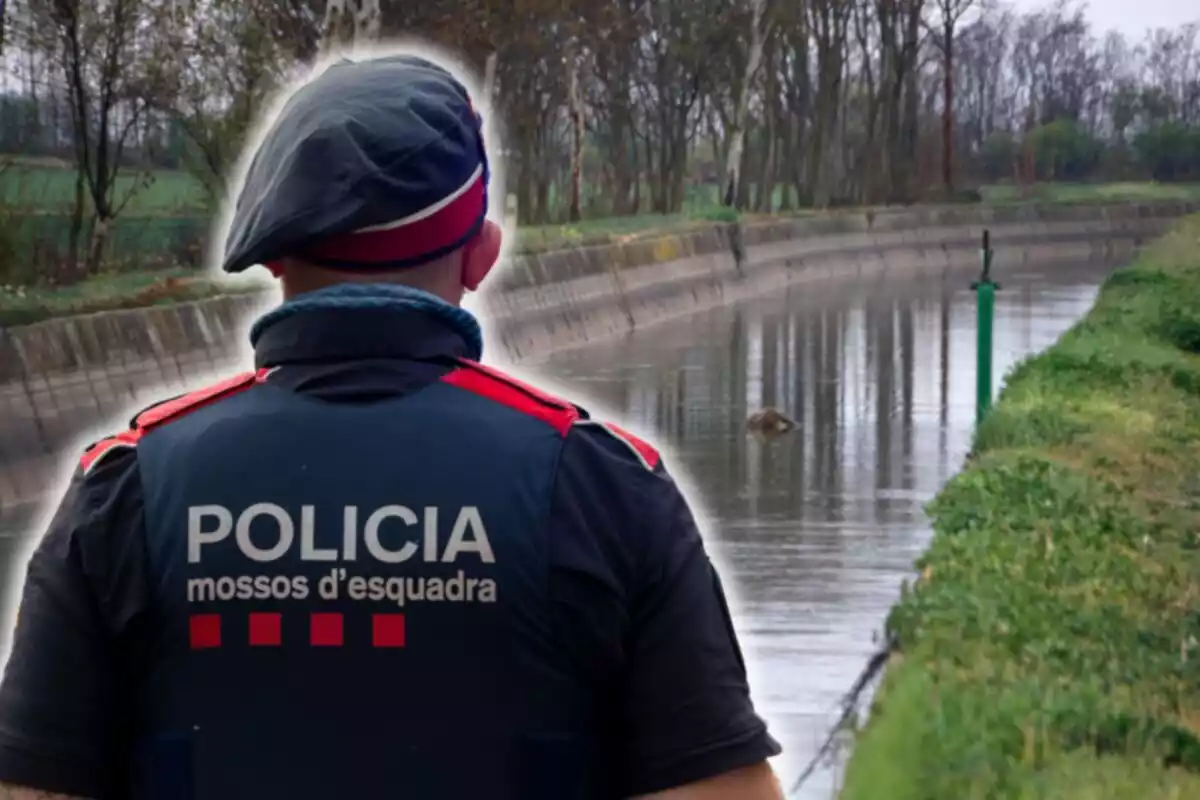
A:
(1051, 648)
(1067, 149)
(48, 185)
(158, 241)
(165, 221)
(20, 305)
(165, 224)
(1132, 192)
(23, 303)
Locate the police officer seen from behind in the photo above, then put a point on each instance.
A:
(372, 567)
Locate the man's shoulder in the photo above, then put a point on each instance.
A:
(619, 442)
(519, 395)
(571, 419)
(163, 412)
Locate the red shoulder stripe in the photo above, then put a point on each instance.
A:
(96, 451)
(644, 450)
(165, 412)
(517, 395)
(504, 377)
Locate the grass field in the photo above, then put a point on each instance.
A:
(163, 220)
(1092, 192)
(166, 215)
(1051, 648)
(164, 226)
(48, 185)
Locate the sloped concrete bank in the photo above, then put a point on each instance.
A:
(61, 377)
(563, 299)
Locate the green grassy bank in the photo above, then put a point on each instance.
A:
(159, 251)
(21, 305)
(1051, 647)
(119, 288)
(1121, 192)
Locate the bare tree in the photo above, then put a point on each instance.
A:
(106, 57)
(949, 12)
(350, 23)
(829, 25)
(228, 62)
(628, 106)
(737, 133)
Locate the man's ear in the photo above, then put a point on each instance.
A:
(481, 254)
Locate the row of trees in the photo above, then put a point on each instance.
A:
(625, 106)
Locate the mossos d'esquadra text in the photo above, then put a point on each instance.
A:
(413, 537)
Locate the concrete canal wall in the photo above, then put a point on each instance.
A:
(1051, 647)
(61, 377)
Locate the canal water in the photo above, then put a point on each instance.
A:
(815, 530)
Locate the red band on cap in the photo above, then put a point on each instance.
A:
(422, 233)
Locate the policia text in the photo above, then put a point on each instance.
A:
(277, 534)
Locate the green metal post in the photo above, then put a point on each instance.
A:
(985, 295)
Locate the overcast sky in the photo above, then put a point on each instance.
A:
(1131, 17)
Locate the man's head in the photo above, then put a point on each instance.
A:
(373, 172)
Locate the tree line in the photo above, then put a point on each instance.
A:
(629, 106)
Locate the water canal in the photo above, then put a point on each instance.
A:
(817, 529)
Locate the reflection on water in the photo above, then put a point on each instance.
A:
(818, 529)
